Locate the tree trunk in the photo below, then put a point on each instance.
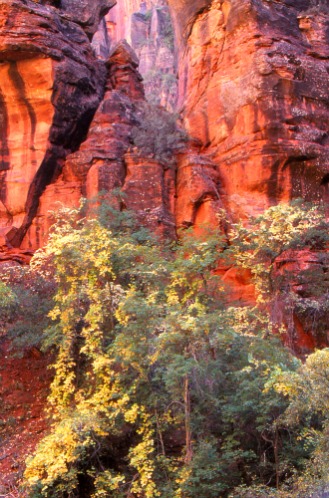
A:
(188, 434)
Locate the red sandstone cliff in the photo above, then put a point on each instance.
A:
(253, 91)
(50, 86)
(107, 160)
(253, 96)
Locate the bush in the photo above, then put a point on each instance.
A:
(157, 135)
(26, 304)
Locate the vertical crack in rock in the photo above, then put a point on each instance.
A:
(46, 111)
(19, 84)
(4, 150)
(50, 169)
(42, 178)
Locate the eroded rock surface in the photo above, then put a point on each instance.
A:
(107, 160)
(50, 86)
(254, 91)
(304, 311)
(147, 26)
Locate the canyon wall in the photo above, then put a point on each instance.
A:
(253, 88)
(53, 80)
(75, 121)
(253, 93)
(106, 160)
(50, 86)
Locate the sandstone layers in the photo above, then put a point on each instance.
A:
(254, 78)
(253, 95)
(253, 87)
(50, 86)
(106, 160)
(53, 146)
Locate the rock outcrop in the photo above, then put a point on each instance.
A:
(253, 80)
(253, 91)
(303, 310)
(107, 160)
(50, 86)
(147, 26)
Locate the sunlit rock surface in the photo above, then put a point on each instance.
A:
(105, 161)
(50, 86)
(254, 91)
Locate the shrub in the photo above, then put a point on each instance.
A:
(157, 135)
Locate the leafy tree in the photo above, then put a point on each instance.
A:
(159, 386)
(308, 412)
(8, 300)
(286, 226)
(257, 247)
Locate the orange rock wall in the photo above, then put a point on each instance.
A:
(253, 95)
(120, 18)
(105, 161)
(50, 86)
(27, 116)
(253, 92)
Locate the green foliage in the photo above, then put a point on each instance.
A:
(204, 476)
(308, 414)
(26, 299)
(280, 228)
(8, 300)
(159, 387)
(283, 231)
(156, 83)
(162, 388)
(158, 135)
(108, 484)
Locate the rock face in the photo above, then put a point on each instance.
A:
(50, 86)
(51, 149)
(106, 161)
(304, 311)
(86, 13)
(253, 91)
